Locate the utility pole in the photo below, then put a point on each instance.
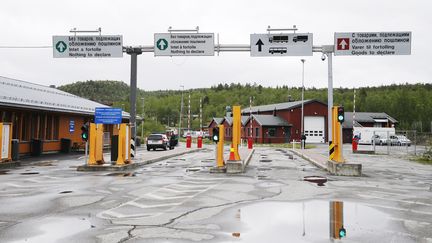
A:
(189, 113)
(201, 112)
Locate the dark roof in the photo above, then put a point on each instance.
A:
(217, 120)
(22, 94)
(369, 117)
(270, 120)
(279, 106)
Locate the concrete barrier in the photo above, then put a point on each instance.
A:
(344, 169)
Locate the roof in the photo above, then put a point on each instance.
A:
(21, 94)
(217, 120)
(278, 106)
(370, 117)
(270, 120)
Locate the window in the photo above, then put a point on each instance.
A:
(249, 132)
(257, 132)
(272, 132)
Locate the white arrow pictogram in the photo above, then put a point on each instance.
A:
(343, 44)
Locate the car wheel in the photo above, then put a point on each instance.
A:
(154, 149)
(148, 148)
(165, 147)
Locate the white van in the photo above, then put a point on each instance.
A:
(366, 134)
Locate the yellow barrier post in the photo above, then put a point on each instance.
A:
(92, 144)
(1, 140)
(335, 148)
(121, 142)
(236, 131)
(220, 147)
(99, 144)
(128, 144)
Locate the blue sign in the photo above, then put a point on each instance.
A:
(71, 126)
(108, 115)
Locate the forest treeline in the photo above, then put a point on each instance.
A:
(410, 104)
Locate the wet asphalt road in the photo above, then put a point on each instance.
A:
(178, 200)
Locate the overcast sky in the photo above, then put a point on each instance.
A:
(33, 23)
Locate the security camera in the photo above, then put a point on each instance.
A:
(323, 57)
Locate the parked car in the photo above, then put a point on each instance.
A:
(379, 140)
(393, 140)
(403, 141)
(155, 141)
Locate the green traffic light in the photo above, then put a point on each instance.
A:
(342, 232)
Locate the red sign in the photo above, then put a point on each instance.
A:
(343, 44)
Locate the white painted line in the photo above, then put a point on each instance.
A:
(400, 209)
(166, 198)
(180, 191)
(188, 186)
(133, 203)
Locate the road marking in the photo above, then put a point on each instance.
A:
(400, 209)
(166, 198)
(179, 191)
(133, 203)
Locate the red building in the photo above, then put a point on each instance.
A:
(281, 123)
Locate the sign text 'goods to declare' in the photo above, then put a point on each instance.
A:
(372, 43)
(90, 46)
(184, 44)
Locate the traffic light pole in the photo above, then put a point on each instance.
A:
(86, 152)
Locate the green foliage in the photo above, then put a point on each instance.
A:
(410, 104)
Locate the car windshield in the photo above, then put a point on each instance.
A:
(155, 137)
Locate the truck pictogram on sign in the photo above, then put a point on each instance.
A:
(343, 44)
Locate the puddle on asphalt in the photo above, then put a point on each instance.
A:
(65, 192)
(310, 221)
(55, 229)
(319, 180)
(29, 173)
(122, 174)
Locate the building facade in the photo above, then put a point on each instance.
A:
(45, 115)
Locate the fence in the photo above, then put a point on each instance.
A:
(403, 142)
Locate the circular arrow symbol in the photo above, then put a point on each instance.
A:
(162, 44)
(61, 46)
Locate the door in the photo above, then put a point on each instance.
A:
(314, 129)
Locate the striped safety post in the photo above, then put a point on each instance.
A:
(132, 144)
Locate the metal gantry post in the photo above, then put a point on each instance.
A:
(302, 107)
(189, 114)
(134, 52)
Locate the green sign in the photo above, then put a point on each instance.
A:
(162, 44)
(61, 46)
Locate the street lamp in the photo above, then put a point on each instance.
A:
(142, 121)
(302, 106)
(181, 111)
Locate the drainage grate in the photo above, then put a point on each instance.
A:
(319, 180)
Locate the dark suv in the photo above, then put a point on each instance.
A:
(155, 141)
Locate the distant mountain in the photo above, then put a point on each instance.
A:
(105, 92)
(410, 104)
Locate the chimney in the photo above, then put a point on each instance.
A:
(274, 112)
(228, 111)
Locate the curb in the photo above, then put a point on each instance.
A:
(132, 165)
(319, 165)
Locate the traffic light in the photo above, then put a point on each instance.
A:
(215, 136)
(85, 132)
(342, 232)
(340, 114)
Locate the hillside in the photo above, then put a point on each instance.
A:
(410, 104)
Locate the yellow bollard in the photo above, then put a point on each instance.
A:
(236, 131)
(220, 147)
(335, 147)
(121, 142)
(99, 144)
(337, 230)
(92, 144)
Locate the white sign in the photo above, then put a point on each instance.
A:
(372, 43)
(93, 46)
(264, 45)
(184, 44)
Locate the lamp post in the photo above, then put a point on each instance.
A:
(302, 107)
(181, 111)
(142, 121)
